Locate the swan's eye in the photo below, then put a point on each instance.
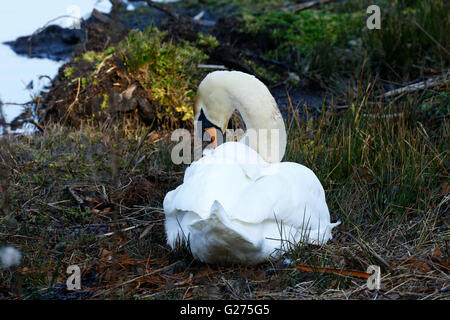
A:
(215, 133)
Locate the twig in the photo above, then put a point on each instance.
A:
(115, 167)
(18, 104)
(48, 23)
(180, 18)
(47, 77)
(431, 82)
(69, 110)
(39, 126)
(4, 173)
(383, 116)
(76, 197)
(159, 7)
(123, 230)
(19, 236)
(140, 277)
(369, 250)
(431, 38)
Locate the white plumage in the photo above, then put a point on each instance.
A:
(233, 205)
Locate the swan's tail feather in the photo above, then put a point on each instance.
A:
(335, 224)
(218, 239)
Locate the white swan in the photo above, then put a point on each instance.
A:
(239, 203)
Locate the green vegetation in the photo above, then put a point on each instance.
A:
(91, 56)
(385, 178)
(334, 40)
(104, 104)
(414, 38)
(68, 72)
(167, 71)
(383, 160)
(207, 41)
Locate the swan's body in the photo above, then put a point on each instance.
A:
(239, 203)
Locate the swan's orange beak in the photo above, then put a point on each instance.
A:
(213, 134)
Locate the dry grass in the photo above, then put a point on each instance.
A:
(92, 196)
(385, 179)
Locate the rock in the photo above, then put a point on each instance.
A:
(125, 101)
(146, 110)
(54, 42)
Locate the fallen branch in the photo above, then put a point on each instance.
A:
(431, 82)
(305, 5)
(212, 66)
(352, 273)
(439, 80)
(179, 18)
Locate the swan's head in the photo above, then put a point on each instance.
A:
(222, 92)
(213, 107)
(215, 132)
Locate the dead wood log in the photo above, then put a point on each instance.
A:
(436, 81)
(429, 83)
(305, 5)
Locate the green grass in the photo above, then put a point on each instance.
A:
(385, 179)
(383, 163)
(334, 40)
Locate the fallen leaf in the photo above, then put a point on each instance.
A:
(436, 252)
(104, 253)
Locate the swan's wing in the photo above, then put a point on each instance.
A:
(260, 202)
(221, 175)
(292, 197)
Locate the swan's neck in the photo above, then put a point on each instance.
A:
(266, 132)
(221, 92)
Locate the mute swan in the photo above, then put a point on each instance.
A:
(239, 203)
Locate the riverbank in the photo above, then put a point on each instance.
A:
(88, 188)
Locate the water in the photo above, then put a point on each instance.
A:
(21, 18)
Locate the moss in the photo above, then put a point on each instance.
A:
(68, 72)
(167, 71)
(92, 56)
(334, 39)
(104, 104)
(207, 41)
